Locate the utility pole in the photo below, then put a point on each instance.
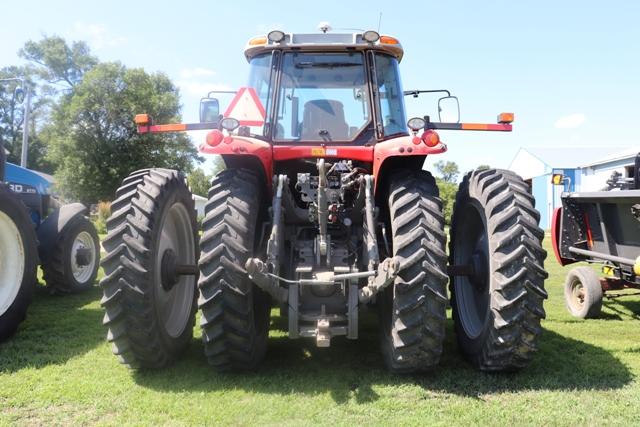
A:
(25, 128)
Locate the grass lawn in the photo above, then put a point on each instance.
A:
(59, 369)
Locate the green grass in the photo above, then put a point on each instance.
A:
(58, 369)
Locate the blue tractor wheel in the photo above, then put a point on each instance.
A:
(18, 261)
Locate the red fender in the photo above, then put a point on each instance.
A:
(403, 146)
(244, 146)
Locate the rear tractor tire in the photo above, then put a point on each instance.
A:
(235, 312)
(498, 307)
(149, 306)
(18, 261)
(413, 310)
(75, 258)
(583, 293)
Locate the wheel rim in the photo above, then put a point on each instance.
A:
(83, 257)
(174, 304)
(12, 262)
(578, 295)
(472, 293)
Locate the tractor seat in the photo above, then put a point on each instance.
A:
(323, 120)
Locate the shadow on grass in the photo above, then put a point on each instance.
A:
(57, 328)
(351, 370)
(632, 306)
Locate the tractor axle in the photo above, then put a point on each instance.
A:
(170, 271)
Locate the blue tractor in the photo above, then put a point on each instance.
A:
(35, 228)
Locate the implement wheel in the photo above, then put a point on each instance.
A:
(18, 261)
(150, 268)
(583, 293)
(498, 306)
(413, 310)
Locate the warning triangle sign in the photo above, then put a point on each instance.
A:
(246, 108)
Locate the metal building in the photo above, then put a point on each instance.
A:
(587, 169)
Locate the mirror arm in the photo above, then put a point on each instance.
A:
(415, 93)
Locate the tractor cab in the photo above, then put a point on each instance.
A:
(325, 88)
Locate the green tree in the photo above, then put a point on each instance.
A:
(57, 62)
(92, 137)
(12, 114)
(483, 167)
(54, 68)
(448, 170)
(199, 182)
(448, 192)
(447, 183)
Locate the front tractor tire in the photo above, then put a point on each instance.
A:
(497, 306)
(149, 306)
(18, 261)
(235, 312)
(413, 310)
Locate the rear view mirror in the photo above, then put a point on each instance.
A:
(209, 110)
(449, 109)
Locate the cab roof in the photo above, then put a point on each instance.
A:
(322, 42)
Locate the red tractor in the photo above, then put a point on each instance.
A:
(323, 210)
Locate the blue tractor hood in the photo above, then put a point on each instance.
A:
(41, 182)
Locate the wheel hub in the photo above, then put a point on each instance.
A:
(479, 264)
(472, 273)
(579, 294)
(170, 271)
(168, 276)
(83, 257)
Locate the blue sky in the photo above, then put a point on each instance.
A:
(570, 70)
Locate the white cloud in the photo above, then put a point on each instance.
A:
(571, 121)
(191, 73)
(97, 35)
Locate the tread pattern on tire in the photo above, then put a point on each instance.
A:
(414, 341)
(231, 304)
(516, 266)
(133, 328)
(53, 271)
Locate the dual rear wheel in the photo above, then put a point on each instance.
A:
(151, 283)
(497, 282)
(150, 287)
